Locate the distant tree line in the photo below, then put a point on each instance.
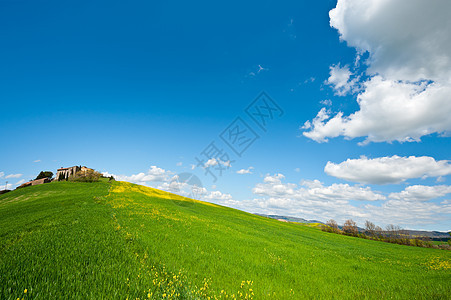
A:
(392, 234)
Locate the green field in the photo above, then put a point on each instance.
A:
(119, 240)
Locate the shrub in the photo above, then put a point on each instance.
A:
(350, 228)
(86, 176)
(330, 226)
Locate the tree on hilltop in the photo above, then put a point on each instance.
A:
(44, 174)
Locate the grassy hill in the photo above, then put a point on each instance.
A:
(119, 240)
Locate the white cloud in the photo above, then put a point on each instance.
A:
(154, 174)
(326, 102)
(13, 176)
(411, 207)
(340, 80)
(214, 162)
(385, 170)
(211, 163)
(406, 40)
(2, 174)
(227, 164)
(179, 164)
(313, 190)
(389, 111)
(408, 214)
(217, 197)
(20, 182)
(310, 80)
(275, 179)
(193, 166)
(320, 130)
(245, 171)
(421, 193)
(409, 65)
(36, 161)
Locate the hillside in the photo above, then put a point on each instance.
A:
(119, 240)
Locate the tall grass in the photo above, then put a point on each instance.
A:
(118, 240)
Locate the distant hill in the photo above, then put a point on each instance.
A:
(117, 240)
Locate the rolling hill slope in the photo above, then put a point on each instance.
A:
(120, 240)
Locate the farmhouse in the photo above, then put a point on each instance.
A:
(65, 173)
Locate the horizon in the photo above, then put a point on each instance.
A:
(296, 109)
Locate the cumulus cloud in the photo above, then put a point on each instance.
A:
(211, 162)
(340, 80)
(406, 40)
(407, 212)
(389, 111)
(245, 171)
(217, 197)
(421, 193)
(154, 174)
(313, 190)
(407, 93)
(411, 207)
(215, 162)
(274, 179)
(13, 176)
(326, 102)
(385, 170)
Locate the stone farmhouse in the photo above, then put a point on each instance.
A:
(65, 173)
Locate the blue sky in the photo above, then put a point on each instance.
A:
(140, 89)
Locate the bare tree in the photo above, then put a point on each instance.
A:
(350, 227)
(379, 231)
(370, 228)
(393, 232)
